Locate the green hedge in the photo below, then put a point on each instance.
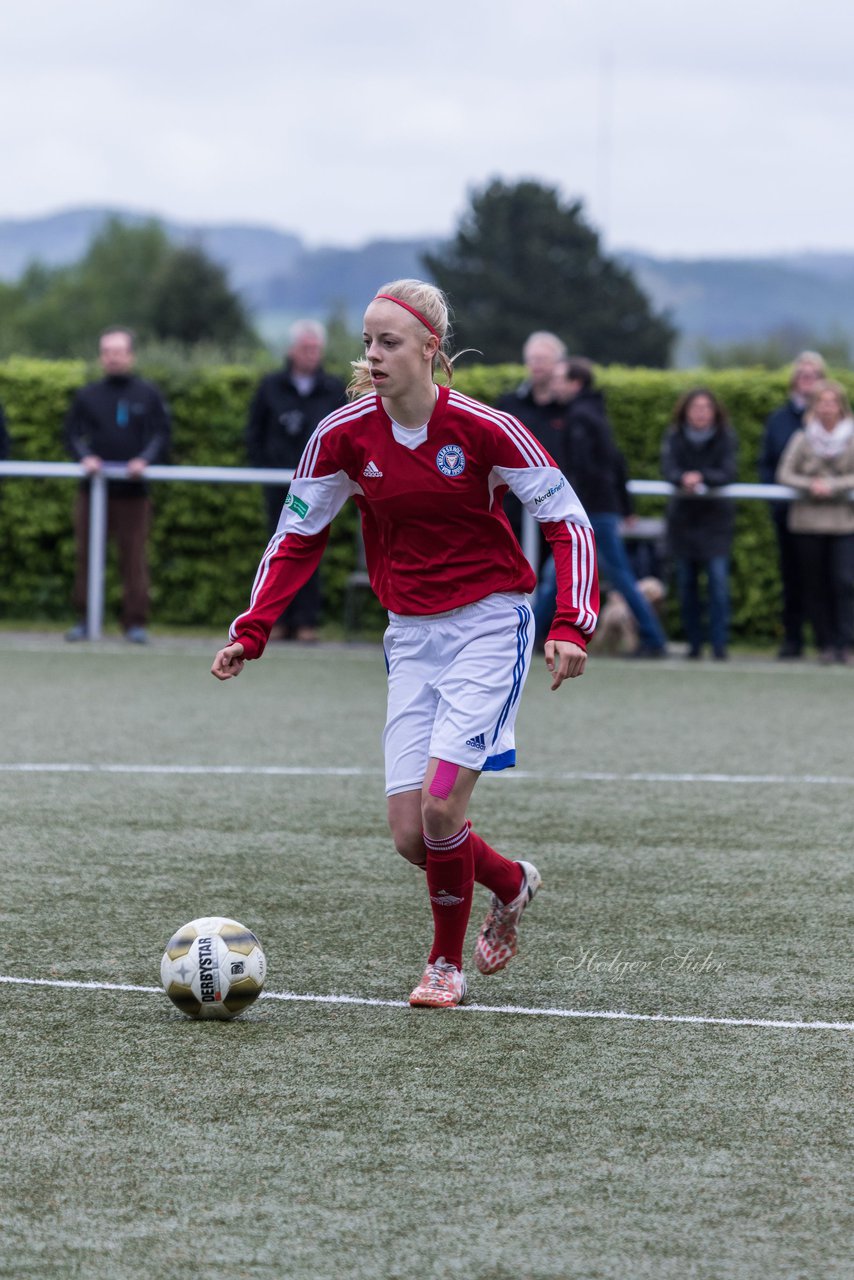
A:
(207, 539)
(640, 404)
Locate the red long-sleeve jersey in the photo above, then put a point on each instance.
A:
(436, 536)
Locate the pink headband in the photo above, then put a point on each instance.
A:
(418, 316)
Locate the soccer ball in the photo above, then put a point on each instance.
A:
(213, 967)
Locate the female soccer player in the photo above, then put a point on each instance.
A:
(428, 469)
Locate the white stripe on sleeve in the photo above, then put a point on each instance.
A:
(587, 618)
(524, 440)
(545, 492)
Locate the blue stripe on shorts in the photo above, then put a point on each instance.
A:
(524, 615)
(504, 760)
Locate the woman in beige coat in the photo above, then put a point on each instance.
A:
(819, 461)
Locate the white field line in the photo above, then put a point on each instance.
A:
(610, 1015)
(285, 771)
(356, 771)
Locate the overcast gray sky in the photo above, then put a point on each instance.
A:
(686, 128)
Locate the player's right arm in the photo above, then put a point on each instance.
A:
(287, 564)
(317, 493)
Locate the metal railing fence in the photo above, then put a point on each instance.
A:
(258, 475)
(98, 507)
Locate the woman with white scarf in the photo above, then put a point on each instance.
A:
(819, 462)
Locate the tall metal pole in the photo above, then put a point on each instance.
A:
(97, 555)
(531, 541)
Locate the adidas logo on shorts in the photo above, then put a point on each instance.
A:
(372, 471)
(477, 742)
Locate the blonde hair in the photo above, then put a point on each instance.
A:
(432, 304)
(836, 389)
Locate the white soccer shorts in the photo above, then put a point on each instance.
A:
(454, 682)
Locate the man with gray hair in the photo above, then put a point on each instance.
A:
(533, 403)
(285, 410)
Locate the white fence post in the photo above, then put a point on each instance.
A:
(531, 541)
(97, 556)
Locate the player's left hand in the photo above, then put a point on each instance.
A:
(564, 660)
(229, 662)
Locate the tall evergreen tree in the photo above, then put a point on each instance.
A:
(523, 260)
(191, 302)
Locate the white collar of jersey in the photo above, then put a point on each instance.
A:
(407, 436)
(411, 437)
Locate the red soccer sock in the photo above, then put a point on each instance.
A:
(450, 881)
(498, 874)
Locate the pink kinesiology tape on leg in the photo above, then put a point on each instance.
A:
(443, 779)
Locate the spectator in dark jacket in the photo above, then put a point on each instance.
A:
(807, 371)
(699, 453)
(286, 408)
(533, 403)
(588, 455)
(119, 419)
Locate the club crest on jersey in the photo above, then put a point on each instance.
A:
(451, 460)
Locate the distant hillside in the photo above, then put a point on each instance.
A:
(251, 253)
(722, 300)
(715, 300)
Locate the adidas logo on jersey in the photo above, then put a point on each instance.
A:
(477, 742)
(372, 471)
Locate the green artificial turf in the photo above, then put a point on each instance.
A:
(314, 1140)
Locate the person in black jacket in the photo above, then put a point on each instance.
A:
(285, 410)
(533, 402)
(807, 371)
(119, 419)
(589, 457)
(699, 453)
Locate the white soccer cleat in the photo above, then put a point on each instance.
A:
(442, 986)
(498, 940)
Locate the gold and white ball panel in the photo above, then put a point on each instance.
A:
(213, 967)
